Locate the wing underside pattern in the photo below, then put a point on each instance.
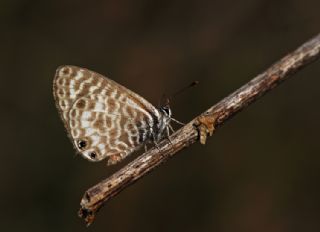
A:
(103, 118)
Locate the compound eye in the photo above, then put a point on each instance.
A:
(166, 110)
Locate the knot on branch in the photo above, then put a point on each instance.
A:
(206, 125)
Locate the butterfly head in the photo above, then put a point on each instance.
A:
(165, 119)
(166, 111)
(165, 107)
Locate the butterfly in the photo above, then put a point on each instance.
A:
(104, 119)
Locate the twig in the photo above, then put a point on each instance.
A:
(215, 116)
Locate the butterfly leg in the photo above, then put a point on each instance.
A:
(176, 121)
(156, 144)
(168, 133)
(154, 140)
(145, 148)
(170, 127)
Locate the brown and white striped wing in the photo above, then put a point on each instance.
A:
(103, 118)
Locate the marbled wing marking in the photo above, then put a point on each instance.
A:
(111, 132)
(70, 83)
(114, 131)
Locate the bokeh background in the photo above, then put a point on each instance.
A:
(261, 170)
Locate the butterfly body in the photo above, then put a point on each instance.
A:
(103, 118)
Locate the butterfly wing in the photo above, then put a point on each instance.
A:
(102, 118)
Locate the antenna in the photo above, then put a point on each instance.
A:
(194, 83)
(165, 99)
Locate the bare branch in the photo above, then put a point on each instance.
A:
(96, 196)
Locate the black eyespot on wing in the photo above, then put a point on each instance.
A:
(82, 144)
(93, 155)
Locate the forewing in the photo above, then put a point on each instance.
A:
(103, 118)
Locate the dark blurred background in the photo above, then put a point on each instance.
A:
(261, 170)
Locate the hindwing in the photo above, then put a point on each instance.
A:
(103, 118)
